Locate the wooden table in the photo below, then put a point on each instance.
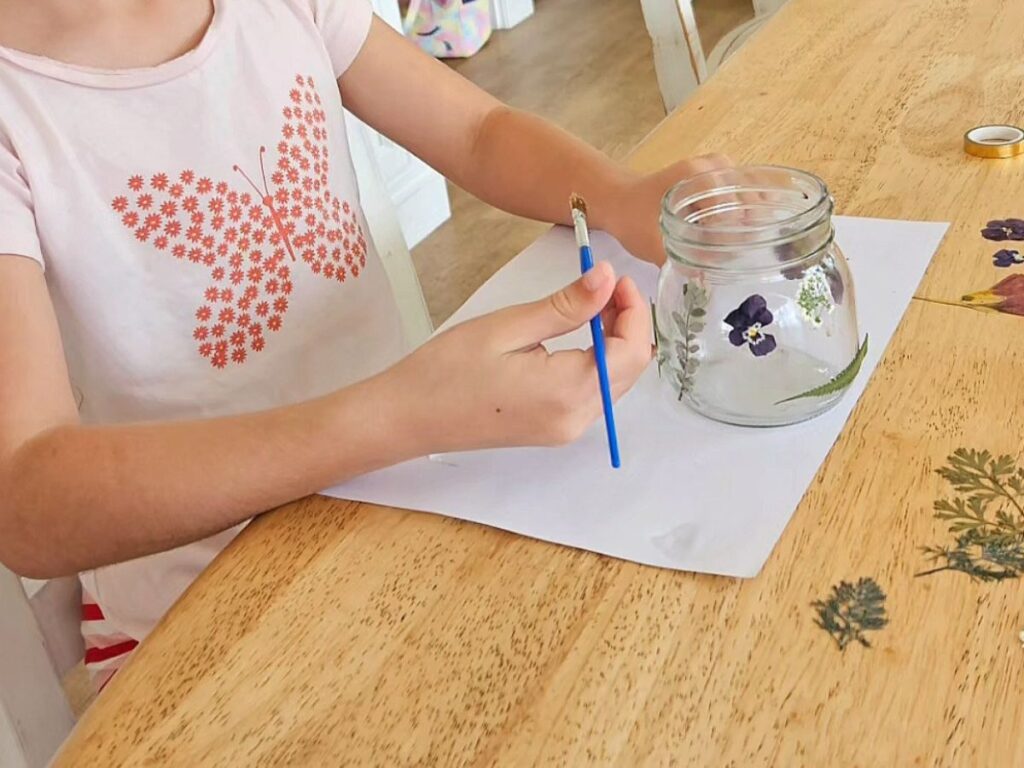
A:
(335, 633)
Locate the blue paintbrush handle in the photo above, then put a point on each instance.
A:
(597, 332)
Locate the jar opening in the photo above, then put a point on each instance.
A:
(743, 215)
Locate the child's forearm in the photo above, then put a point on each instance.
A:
(511, 159)
(529, 167)
(76, 497)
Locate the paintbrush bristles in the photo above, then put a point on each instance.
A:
(578, 203)
(579, 219)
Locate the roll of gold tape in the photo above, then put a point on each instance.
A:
(999, 141)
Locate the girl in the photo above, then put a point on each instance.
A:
(194, 325)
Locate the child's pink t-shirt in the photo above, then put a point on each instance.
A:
(201, 235)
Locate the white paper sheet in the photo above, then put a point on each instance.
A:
(692, 494)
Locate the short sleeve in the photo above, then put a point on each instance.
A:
(344, 26)
(18, 233)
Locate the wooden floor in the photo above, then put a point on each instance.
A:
(615, 103)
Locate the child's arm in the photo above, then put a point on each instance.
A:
(508, 158)
(74, 496)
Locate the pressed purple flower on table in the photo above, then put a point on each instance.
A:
(1005, 296)
(748, 321)
(1006, 258)
(1004, 229)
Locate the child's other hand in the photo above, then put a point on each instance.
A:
(490, 382)
(635, 219)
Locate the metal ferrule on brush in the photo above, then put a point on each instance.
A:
(579, 220)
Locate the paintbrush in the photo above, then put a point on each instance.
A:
(579, 219)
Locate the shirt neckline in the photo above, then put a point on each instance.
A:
(99, 77)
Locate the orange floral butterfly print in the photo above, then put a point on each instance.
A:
(250, 241)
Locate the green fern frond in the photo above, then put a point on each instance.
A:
(837, 383)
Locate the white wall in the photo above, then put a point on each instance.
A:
(505, 14)
(418, 192)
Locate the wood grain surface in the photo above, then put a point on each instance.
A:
(333, 633)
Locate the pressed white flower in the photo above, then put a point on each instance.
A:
(815, 297)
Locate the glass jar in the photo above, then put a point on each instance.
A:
(755, 316)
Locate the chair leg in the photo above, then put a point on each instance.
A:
(386, 235)
(678, 56)
(698, 61)
(732, 42)
(34, 714)
(767, 7)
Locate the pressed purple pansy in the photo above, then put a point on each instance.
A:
(748, 321)
(1004, 229)
(1006, 258)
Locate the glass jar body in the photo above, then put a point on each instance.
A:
(755, 315)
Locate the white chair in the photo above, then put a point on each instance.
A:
(386, 233)
(40, 635)
(34, 713)
(679, 59)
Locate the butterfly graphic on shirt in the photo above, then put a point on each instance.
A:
(250, 241)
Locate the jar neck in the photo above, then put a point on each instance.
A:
(753, 219)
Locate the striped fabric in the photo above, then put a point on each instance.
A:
(106, 649)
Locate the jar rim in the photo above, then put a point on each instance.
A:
(797, 262)
(676, 228)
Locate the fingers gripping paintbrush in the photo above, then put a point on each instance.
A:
(579, 219)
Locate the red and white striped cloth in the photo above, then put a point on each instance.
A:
(106, 649)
